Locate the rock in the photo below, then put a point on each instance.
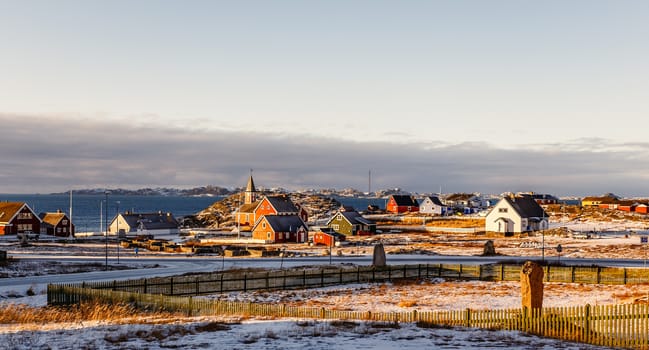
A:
(378, 259)
(489, 249)
(531, 286)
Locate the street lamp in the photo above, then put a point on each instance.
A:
(117, 229)
(106, 226)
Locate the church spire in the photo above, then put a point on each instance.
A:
(251, 192)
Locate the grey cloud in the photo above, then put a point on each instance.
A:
(46, 155)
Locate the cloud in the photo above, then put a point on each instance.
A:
(46, 154)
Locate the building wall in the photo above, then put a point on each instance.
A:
(264, 208)
(341, 225)
(26, 220)
(494, 222)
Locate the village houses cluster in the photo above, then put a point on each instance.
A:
(277, 219)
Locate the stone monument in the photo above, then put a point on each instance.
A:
(378, 259)
(532, 286)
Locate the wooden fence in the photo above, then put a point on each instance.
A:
(610, 325)
(211, 283)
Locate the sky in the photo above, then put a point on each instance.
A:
(466, 96)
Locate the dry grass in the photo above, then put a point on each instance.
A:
(86, 311)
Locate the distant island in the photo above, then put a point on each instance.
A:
(211, 190)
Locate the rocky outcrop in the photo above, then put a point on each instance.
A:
(221, 213)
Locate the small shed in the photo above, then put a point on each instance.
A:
(328, 237)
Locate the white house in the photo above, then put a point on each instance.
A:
(516, 214)
(159, 223)
(432, 205)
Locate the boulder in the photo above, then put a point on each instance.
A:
(489, 249)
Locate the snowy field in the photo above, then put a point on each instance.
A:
(434, 294)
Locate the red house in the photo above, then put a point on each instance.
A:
(17, 218)
(57, 224)
(280, 229)
(275, 205)
(402, 204)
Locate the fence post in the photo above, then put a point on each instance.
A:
(439, 271)
(171, 285)
(114, 285)
(245, 282)
(390, 273)
(547, 273)
(322, 278)
(414, 316)
(599, 276)
(479, 272)
(358, 274)
(221, 283)
(197, 286)
(502, 272)
(587, 321)
(467, 317)
(625, 276)
(418, 271)
(573, 274)
(189, 306)
(459, 276)
(341, 275)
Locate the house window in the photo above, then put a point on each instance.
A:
(263, 225)
(64, 222)
(335, 227)
(24, 216)
(340, 217)
(58, 230)
(502, 210)
(268, 235)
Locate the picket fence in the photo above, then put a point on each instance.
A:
(211, 283)
(611, 325)
(623, 326)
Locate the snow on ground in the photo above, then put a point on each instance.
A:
(434, 294)
(214, 333)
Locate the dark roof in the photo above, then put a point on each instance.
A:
(460, 196)
(404, 200)
(151, 221)
(282, 204)
(284, 223)
(435, 200)
(526, 206)
(330, 231)
(544, 196)
(353, 217)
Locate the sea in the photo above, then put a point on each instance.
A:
(89, 211)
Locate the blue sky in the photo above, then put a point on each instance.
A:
(518, 80)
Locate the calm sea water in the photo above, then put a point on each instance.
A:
(89, 211)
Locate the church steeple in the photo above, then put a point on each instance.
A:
(251, 192)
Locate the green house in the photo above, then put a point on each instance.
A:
(351, 223)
